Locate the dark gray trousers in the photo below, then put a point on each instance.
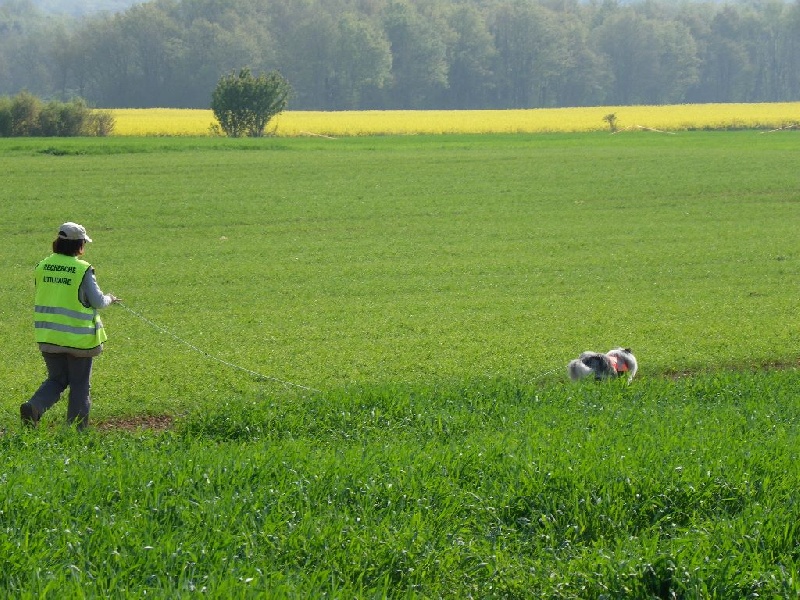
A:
(66, 370)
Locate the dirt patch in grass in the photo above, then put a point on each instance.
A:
(136, 422)
(773, 365)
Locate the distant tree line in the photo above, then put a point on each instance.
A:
(411, 54)
(81, 7)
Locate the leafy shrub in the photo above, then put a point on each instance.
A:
(243, 104)
(26, 115)
(98, 123)
(25, 109)
(62, 120)
(5, 117)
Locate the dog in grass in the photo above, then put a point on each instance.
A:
(610, 365)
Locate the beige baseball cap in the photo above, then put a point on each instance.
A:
(73, 231)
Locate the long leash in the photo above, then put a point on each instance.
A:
(227, 363)
(543, 375)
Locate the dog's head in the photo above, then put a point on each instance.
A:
(625, 361)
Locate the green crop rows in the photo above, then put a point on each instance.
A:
(361, 346)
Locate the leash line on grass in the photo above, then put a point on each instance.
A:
(543, 375)
(211, 356)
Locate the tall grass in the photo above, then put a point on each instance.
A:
(666, 489)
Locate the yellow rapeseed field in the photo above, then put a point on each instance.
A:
(672, 118)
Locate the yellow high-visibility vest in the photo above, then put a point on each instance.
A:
(59, 316)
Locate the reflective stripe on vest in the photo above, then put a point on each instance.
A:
(59, 316)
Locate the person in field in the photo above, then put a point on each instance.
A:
(67, 327)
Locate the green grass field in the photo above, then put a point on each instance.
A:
(429, 291)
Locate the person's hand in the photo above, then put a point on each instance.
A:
(114, 299)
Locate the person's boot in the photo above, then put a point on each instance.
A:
(30, 415)
(80, 422)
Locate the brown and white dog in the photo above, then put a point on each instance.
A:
(612, 364)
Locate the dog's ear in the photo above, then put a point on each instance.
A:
(628, 350)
